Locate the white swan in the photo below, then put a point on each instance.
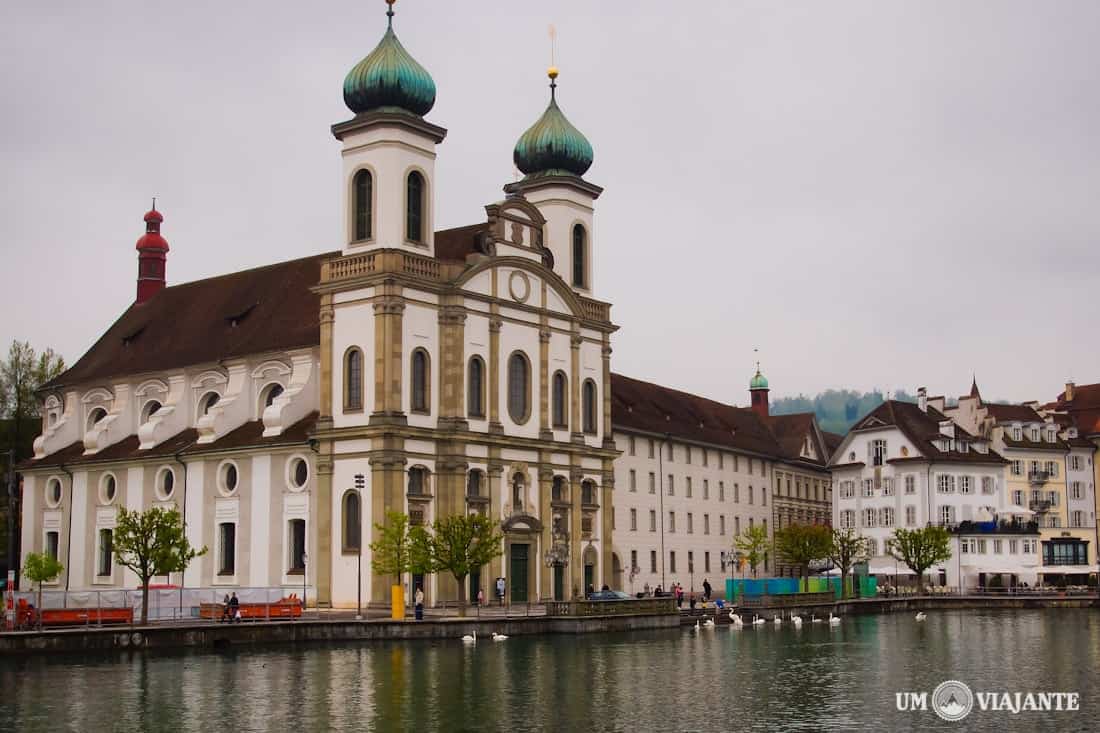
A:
(797, 621)
(470, 639)
(498, 637)
(757, 621)
(921, 615)
(815, 620)
(696, 626)
(833, 620)
(736, 620)
(709, 622)
(778, 621)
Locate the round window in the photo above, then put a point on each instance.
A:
(166, 483)
(53, 492)
(229, 478)
(108, 488)
(299, 473)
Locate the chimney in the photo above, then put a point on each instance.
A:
(152, 255)
(1069, 391)
(922, 398)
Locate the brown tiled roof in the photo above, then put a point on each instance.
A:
(1084, 396)
(1012, 413)
(651, 408)
(1057, 445)
(248, 435)
(253, 311)
(790, 433)
(832, 440)
(455, 244)
(923, 429)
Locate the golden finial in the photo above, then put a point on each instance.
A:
(552, 72)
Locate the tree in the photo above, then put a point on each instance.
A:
(920, 549)
(753, 542)
(845, 549)
(462, 543)
(39, 567)
(800, 544)
(152, 543)
(400, 548)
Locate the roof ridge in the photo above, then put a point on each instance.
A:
(258, 268)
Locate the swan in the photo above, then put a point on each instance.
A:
(757, 621)
(499, 637)
(709, 623)
(815, 620)
(797, 621)
(921, 615)
(833, 620)
(736, 620)
(778, 621)
(470, 639)
(696, 626)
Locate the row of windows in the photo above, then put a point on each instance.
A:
(817, 490)
(689, 452)
(1035, 434)
(670, 526)
(518, 389)
(226, 557)
(268, 394)
(981, 546)
(672, 562)
(689, 488)
(1035, 469)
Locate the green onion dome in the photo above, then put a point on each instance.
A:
(389, 79)
(759, 381)
(552, 146)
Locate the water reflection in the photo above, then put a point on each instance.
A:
(813, 678)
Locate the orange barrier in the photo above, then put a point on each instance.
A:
(28, 616)
(289, 607)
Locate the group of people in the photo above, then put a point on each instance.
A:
(231, 609)
(677, 590)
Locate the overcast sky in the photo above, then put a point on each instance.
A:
(874, 194)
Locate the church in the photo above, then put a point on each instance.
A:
(284, 410)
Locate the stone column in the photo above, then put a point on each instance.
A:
(323, 565)
(608, 436)
(546, 516)
(545, 433)
(389, 310)
(494, 476)
(495, 324)
(452, 340)
(387, 493)
(576, 542)
(607, 508)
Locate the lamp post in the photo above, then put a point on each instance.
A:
(360, 484)
(305, 559)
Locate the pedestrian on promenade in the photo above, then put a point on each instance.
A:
(234, 608)
(500, 591)
(706, 589)
(225, 609)
(646, 590)
(419, 600)
(679, 596)
(480, 597)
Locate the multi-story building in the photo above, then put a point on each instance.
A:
(1036, 477)
(909, 465)
(285, 410)
(693, 473)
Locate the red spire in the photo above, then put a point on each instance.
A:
(152, 255)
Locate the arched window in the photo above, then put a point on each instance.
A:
(352, 523)
(558, 491)
(421, 374)
(475, 393)
(519, 387)
(363, 193)
(414, 215)
(418, 480)
(580, 254)
(588, 398)
(95, 416)
(208, 400)
(588, 492)
(271, 393)
(148, 410)
(473, 484)
(558, 400)
(353, 380)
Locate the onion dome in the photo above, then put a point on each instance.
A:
(552, 146)
(152, 240)
(389, 79)
(759, 381)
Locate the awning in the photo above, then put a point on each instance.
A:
(1017, 509)
(1068, 569)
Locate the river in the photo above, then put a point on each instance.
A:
(764, 679)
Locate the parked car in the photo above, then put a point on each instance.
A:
(609, 595)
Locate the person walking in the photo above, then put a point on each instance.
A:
(419, 600)
(679, 596)
(234, 608)
(646, 590)
(225, 610)
(706, 589)
(480, 597)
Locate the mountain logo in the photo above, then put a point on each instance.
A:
(952, 700)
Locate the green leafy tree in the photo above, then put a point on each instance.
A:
(800, 544)
(462, 543)
(152, 543)
(391, 553)
(845, 549)
(920, 549)
(753, 543)
(39, 568)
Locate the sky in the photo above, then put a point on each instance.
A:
(873, 193)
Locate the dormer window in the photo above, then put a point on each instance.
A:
(271, 394)
(149, 410)
(1017, 433)
(208, 401)
(1035, 435)
(95, 416)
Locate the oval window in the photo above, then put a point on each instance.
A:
(229, 477)
(299, 473)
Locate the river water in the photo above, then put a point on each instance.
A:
(814, 678)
